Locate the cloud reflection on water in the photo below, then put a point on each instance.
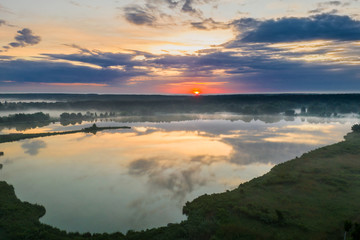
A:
(33, 147)
(150, 171)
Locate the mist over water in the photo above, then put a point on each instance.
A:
(117, 180)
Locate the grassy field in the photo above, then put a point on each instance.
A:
(306, 198)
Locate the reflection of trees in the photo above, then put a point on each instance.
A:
(78, 118)
(21, 121)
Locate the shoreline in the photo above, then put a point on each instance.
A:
(310, 196)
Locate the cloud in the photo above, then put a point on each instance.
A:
(103, 59)
(324, 7)
(75, 3)
(33, 147)
(187, 7)
(138, 15)
(25, 37)
(209, 24)
(5, 23)
(335, 3)
(172, 3)
(263, 68)
(238, 66)
(157, 13)
(324, 26)
(45, 71)
(82, 50)
(86, 68)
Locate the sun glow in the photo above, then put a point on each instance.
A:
(196, 92)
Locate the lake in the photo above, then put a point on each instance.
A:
(139, 178)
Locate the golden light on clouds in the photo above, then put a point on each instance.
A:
(191, 41)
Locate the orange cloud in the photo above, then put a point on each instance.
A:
(197, 83)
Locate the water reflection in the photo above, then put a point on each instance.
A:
(141, 177)
(33, 147)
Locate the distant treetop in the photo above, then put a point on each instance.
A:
(356, 128)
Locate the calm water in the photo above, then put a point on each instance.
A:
(140, 178)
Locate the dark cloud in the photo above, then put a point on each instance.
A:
(102, 59)
(324, 26)
(335, 3)
(82, 50)
(255, 66)
(138, 15)
(324, 7)
(25, 37)
(6, 57)
(323, 11)
(16, 44)
(172, 3)
(33, 147)
(187, 7)
(153, 13)
(262, 68)
(209, 24)
(45, 71)
(2, 22)
(112, 68)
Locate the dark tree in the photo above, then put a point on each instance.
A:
(356, 233)
(356, 128)
(347, 227)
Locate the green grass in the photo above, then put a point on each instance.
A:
(306, 198)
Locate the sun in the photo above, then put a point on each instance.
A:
(196, 92)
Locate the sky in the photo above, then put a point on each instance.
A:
(179, 46)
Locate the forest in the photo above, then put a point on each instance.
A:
(324, 105)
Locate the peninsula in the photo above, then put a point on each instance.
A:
(20, 136)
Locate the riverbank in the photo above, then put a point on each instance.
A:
(309, 197)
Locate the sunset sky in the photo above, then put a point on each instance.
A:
(178, 46)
